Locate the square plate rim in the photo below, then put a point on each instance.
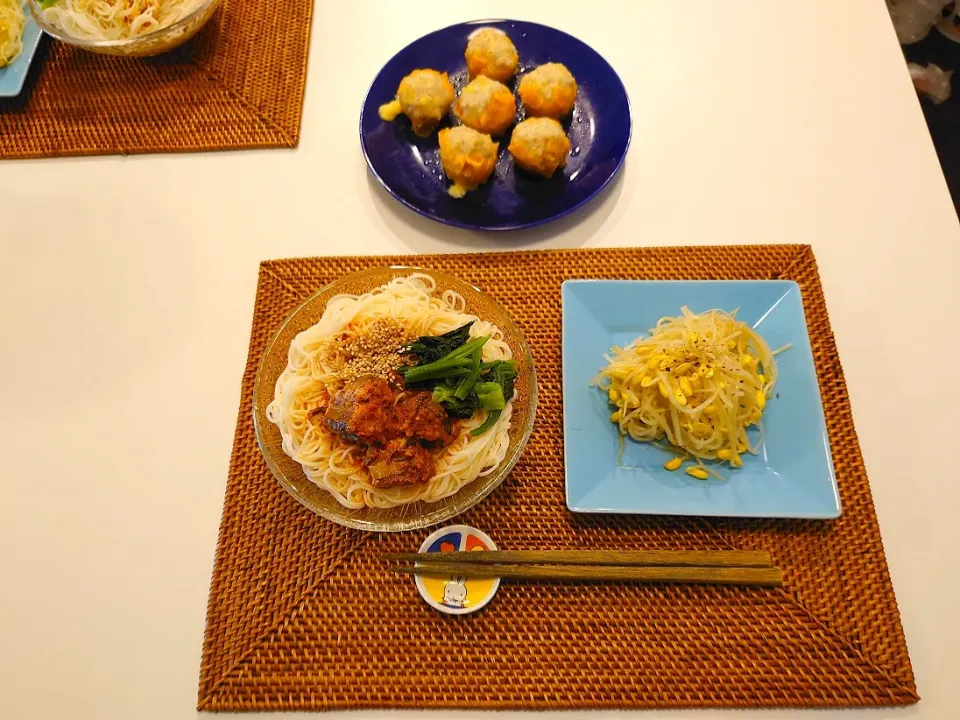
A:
(836, 509)
(27, 54)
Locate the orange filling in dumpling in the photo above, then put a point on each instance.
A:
(539, 145)
(486, 105)
(548, 91)
(468, 158)
(491, 53)
(425, 97)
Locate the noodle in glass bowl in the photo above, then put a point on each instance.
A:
(275, 414)
(150, 42)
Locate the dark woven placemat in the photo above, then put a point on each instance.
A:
(301, 615)
(238, 84)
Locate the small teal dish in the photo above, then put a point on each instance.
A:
(793, 475)
(13, 76)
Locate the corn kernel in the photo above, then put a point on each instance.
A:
(698, 473)
(673, 464)
(761, 400)
(680, 397)
(616, 416)
(724, 454)
(685, 386)
(613, 395)
(647, 380)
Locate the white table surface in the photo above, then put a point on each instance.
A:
(127, 285)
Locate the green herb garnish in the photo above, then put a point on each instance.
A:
(431, 348)
(460, 380)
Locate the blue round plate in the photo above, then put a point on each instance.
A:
(409, 166)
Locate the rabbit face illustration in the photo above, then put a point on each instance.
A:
(455, 591)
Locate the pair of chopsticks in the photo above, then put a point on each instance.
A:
(724, 567)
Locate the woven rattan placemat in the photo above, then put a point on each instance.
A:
(302, 616)
(238, 84)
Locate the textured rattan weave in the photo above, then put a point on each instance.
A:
(238, 84)
(301, 615)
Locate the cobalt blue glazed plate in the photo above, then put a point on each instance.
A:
(792, 477)
(409, 167)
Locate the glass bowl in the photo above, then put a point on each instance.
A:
(154, 43)
(415, 515)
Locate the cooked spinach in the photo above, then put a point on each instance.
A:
(431, 348)
(461, 382)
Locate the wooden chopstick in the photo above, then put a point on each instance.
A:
(763, 576)
(697, 558)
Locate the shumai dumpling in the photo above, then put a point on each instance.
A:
(425, 97)
(548, 91)
(468, 158)
(539, 145)
(486, 105)
(491, 52)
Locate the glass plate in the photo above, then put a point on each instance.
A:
(415, 515)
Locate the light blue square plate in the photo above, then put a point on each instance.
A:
(14, 75)
(793, 475)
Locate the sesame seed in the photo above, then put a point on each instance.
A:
(372, 352)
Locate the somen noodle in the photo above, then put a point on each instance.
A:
(318, 362)
(116, 19)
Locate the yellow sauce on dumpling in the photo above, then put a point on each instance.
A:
(425, 97)
(468, 158)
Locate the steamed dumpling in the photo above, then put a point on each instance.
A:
(548, 91)
(491, 53)
(539, 145)
(468, 158)
(425, 97)
(486, 106)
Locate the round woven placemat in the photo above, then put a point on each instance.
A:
(238, 84)
(301, 615)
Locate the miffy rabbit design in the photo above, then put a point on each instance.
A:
(455, 592)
